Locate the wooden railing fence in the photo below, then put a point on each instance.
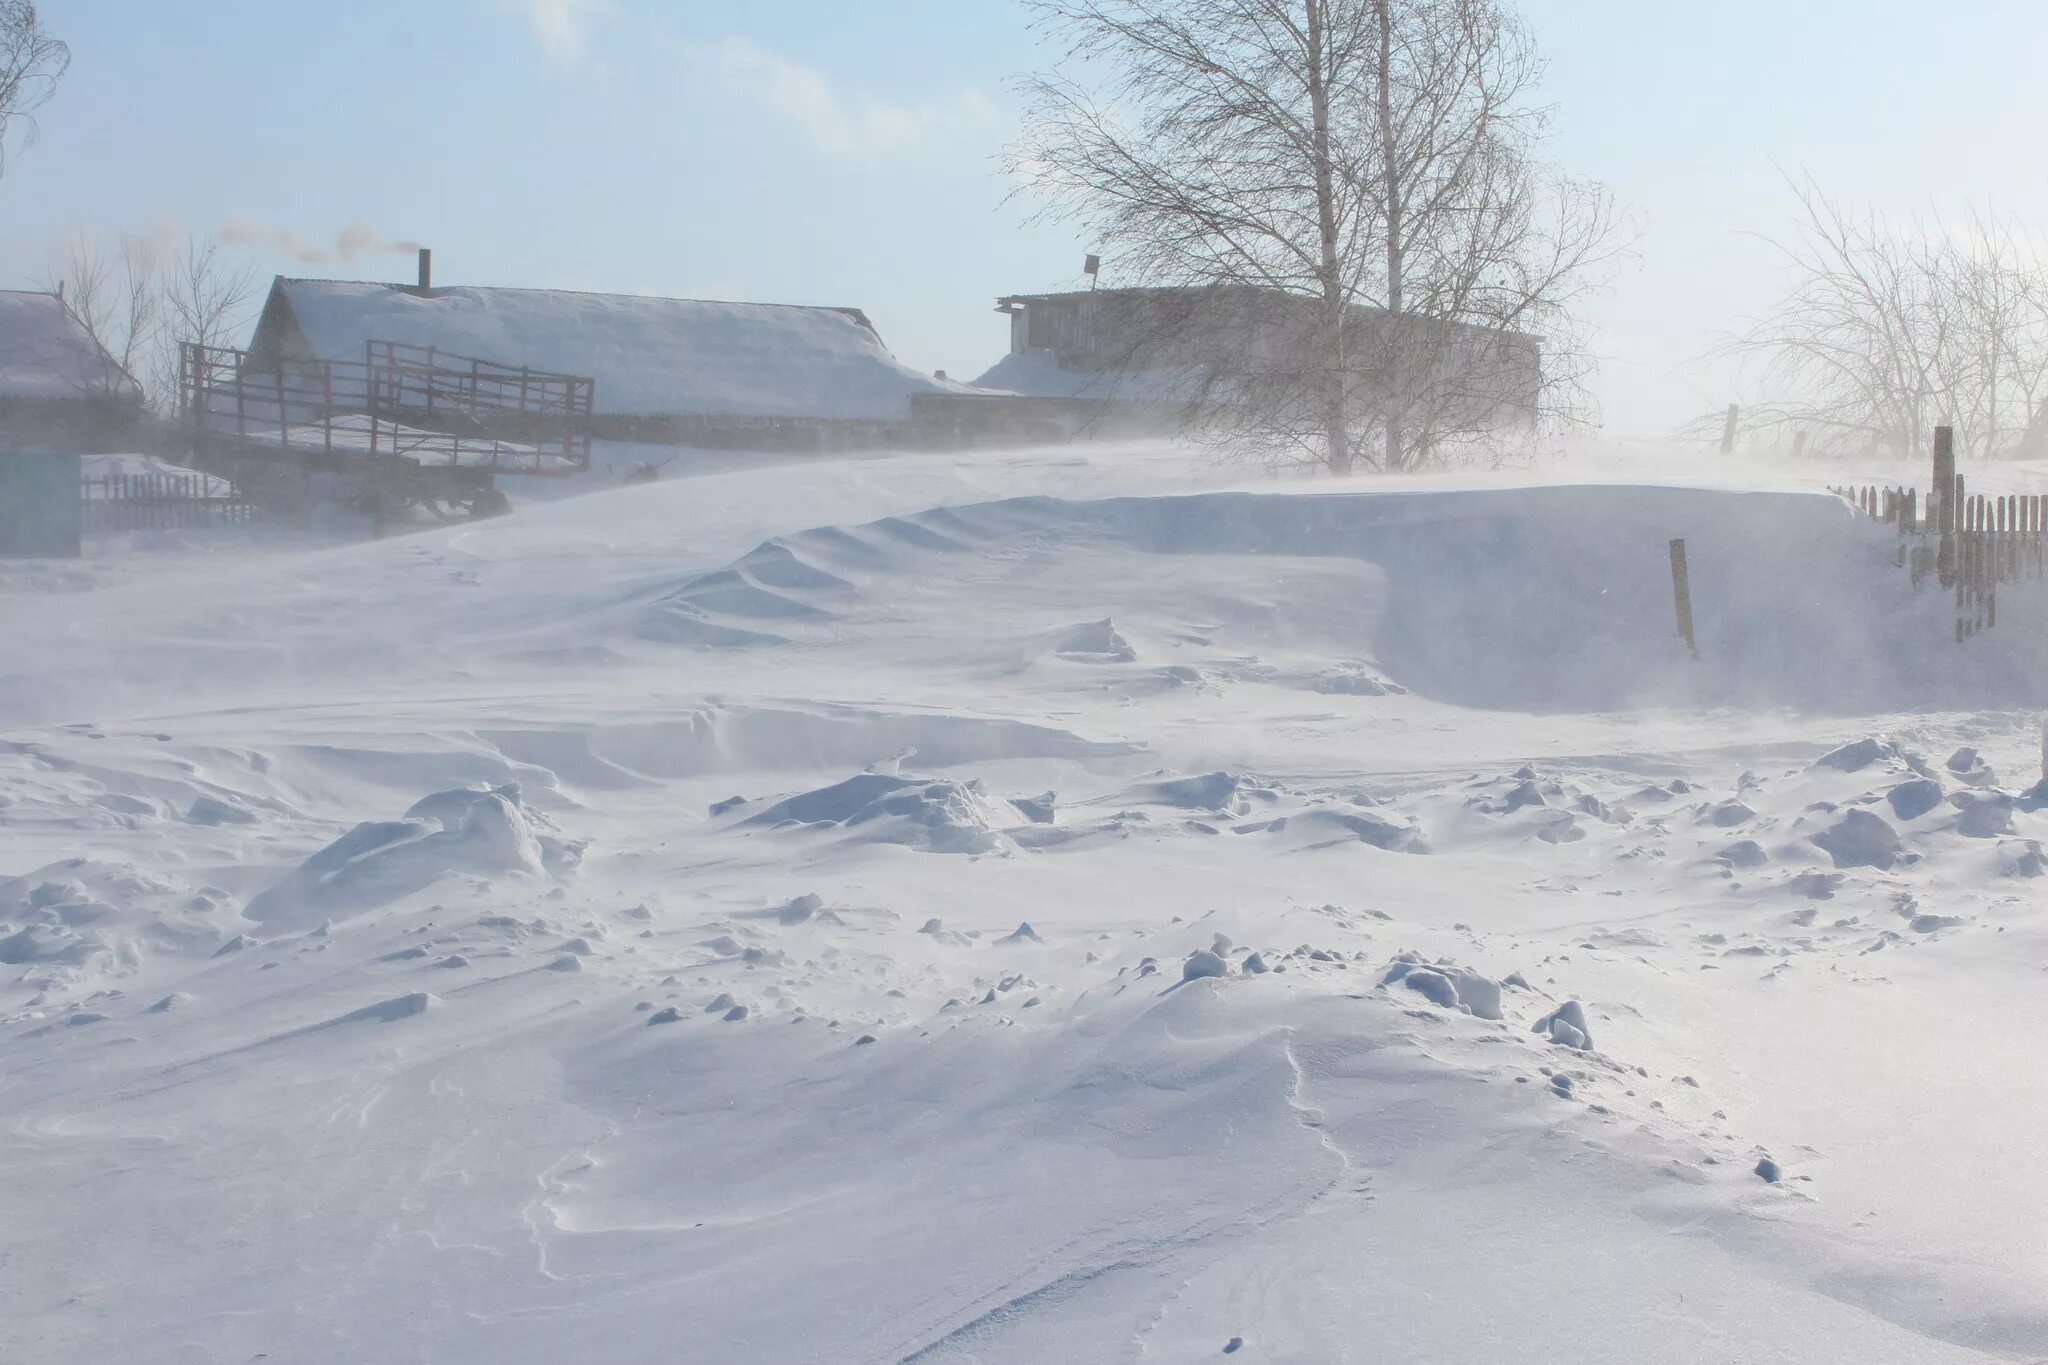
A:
(162, 502)
(404, 402)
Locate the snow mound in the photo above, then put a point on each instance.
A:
(1095, 642)
(1985, 815)
(1912, 799)
(1566, 1026)
(211, 810)
(80, 921)
(1860, 838)
(1324, 826)
(1857, 755)
(1743, 853)
(1224, 793)
(1039, 810)
(1445, 983)
(1353, 680)
(1970, 769)
(937, 815)
(459, 831)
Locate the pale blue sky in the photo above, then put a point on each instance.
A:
(824, 151)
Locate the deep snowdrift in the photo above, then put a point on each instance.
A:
(1539, 599)
(1077, 930)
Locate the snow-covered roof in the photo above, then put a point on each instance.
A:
(650, 356)
(45, 354)
(1039, 374)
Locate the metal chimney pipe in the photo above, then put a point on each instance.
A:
(426, 269)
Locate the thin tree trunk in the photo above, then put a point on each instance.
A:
(1396, 423)
(1335, 432)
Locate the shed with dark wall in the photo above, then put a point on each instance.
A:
(41, 515)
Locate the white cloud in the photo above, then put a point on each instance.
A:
(834, 121)
(562, 27)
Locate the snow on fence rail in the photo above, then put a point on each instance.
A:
(1967, 542)
(413, 403)
(162, 502)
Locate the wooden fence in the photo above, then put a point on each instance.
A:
(162, 502)
(1968, 543)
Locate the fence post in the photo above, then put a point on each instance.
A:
(1681, 593)
(1943, 493)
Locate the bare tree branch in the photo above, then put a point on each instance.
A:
(136, 306)
(31, 61)
(1888, 330)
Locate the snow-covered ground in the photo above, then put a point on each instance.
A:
(1050, 906)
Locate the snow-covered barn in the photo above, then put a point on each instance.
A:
(682, 371)
(59, 389)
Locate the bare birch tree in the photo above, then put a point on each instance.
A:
(139, 300)
(202, 300)
(31, 61)
(114, 298)
(1890, 329)
(1374, 163)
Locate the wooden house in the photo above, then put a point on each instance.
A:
(675, 371)
(59, 389)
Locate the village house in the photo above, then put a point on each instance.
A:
(1118, 361)
(59, 390)
(744, 376)
(61, 396)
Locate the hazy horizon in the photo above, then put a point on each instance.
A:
(812, 154)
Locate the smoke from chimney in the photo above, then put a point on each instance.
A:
(357, 239)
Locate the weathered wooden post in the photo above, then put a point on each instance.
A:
(1943, 493)
(1681, 593)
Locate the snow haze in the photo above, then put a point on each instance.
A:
(821, 153)
(540, 934)
(648, 778)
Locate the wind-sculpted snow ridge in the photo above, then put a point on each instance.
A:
(1541, 599)
(936, 814)
(730, 737)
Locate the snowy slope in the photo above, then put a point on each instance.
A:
(1027, 909)
(650, 356)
